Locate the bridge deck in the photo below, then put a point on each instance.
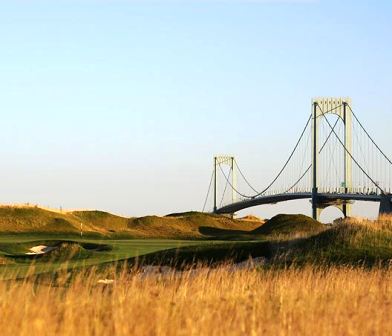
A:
(278, 198)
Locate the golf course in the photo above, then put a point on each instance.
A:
(36, 241)
(212, 274)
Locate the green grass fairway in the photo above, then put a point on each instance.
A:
(15, 263)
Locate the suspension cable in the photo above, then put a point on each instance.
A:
(286, 163)
(288, 160)
(208, 192)
(230, 184)
(224, 191)
(371, 139)
(243, 176)
(310, 166)
(348, 152)
(292, 153)
(299, 180)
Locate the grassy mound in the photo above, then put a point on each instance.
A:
(289, 225)
(349, 242)
(186, 225)
(16, 219)
(98, 223)
(34, 219)
(101, 220)
(252, 218)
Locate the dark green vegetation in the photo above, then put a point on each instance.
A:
(278, 226)
(51, 241)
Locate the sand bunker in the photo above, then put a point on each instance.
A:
(40, 249)
(64, 250)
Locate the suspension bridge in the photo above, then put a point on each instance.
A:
(335, 162)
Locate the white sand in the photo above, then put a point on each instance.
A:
(40, 249)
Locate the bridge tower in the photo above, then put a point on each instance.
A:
(218, 162)
(320, 107)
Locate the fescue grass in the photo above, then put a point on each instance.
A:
(202, 301)
(330, 281)
(352, 241)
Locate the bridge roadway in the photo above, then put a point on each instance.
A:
(322, 198)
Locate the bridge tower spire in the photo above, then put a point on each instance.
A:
(320, 107)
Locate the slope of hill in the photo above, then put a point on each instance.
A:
(31, 219)
(289, 224)
(186, 225)
(101, 221)
(349, 242)
(252, 218)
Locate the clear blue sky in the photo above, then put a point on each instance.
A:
(120, 105)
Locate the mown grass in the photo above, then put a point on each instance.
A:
(15, 263)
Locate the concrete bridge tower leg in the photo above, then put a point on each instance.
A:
(315, 161)
(385, 205)
(348, 143)
(215, 184)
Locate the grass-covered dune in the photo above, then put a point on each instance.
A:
(280, 226)
(351, 241)
(289, 224)
(297, 239)
(177, 226)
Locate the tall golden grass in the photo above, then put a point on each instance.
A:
(205, 301)
(384, 222)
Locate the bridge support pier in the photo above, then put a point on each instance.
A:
(345, 210)
(385, 205)
(315, 212)
(315, 162)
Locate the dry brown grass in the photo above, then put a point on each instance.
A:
(334, 301)
(384, 222)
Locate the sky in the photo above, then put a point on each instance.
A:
(121, 105)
